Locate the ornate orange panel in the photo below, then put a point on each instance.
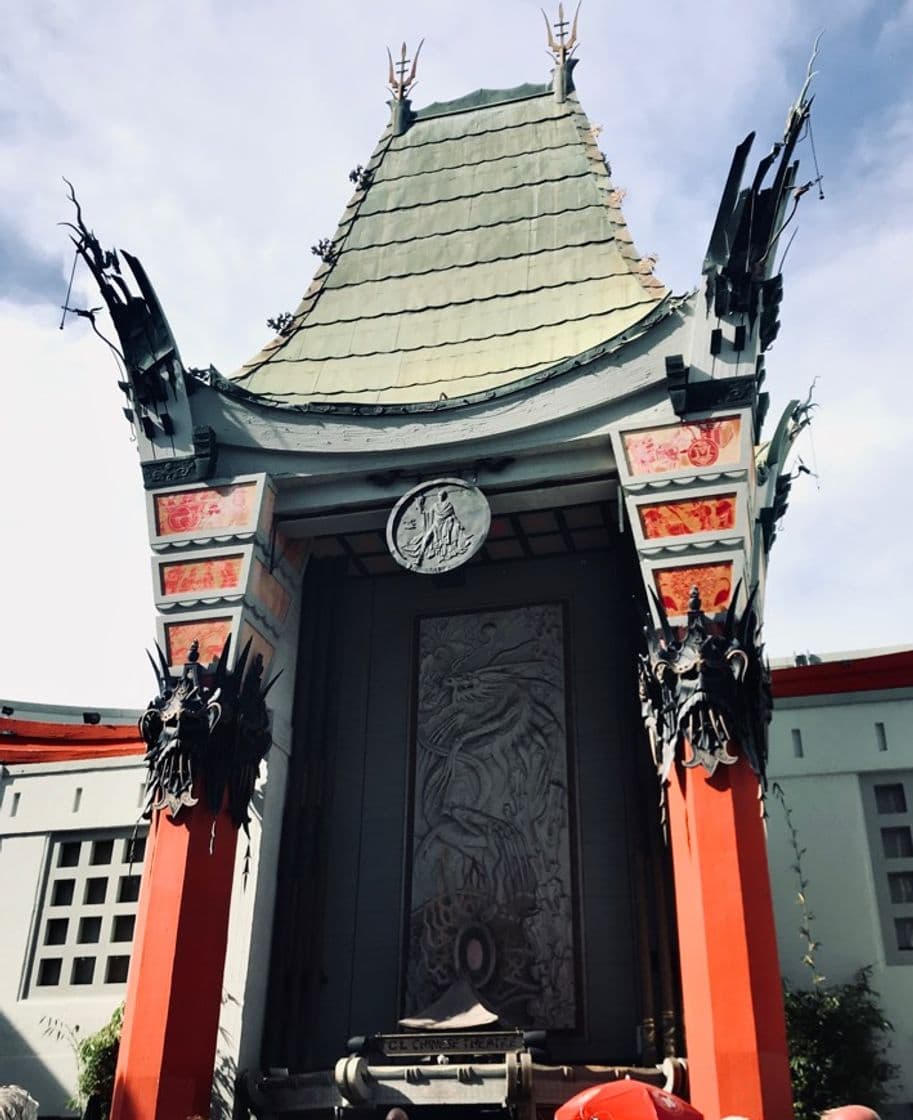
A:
(207, 510)
(715, 513)
(209, 632)
(676, 447)
(713, 581)
(294, 552)
(221, 573)
(258, 644)
(270, 592)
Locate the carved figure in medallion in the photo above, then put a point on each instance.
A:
(437, 526)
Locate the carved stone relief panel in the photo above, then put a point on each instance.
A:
(491, 881)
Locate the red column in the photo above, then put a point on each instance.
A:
(174, 989)
(735, 1029)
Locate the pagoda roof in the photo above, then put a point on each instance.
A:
(485, 249)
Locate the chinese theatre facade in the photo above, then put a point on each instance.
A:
(503, 844)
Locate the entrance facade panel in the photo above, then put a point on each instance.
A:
(480, 751)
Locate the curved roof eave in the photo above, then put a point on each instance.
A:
(667, 306)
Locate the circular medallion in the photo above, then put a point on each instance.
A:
(438, 526)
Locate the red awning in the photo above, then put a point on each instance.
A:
(27, 741)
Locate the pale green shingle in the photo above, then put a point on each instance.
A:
(488, 247)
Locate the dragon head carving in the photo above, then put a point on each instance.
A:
(706, 686)
(206, 733)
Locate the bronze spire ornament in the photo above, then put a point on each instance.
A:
(564, 46)
(399, 83)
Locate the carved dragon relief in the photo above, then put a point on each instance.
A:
(705, 689)
(491, 896)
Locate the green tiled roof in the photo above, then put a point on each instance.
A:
(488, 247)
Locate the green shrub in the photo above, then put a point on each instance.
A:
(837, 1046)
(96, 1058)
(96, 1055)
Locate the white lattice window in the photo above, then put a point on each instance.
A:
(84, 933)
(888, 799)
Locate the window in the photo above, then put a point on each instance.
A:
(888, 800)
(897, 842)
(86, 923)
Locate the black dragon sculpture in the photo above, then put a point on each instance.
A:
(706, 685)
(206, 734)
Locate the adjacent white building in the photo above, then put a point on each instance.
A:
(841, 750)
(70, 869)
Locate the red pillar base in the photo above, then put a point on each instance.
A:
(174, 990)
(738, 1063)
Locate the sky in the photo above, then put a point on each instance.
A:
(213, 139)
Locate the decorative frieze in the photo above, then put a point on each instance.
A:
(194, 577)
(714, 513)
(205, 511)
(208, 632)
(689, 448)
(675, 586)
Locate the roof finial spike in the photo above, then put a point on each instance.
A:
(400, 84)
(561, 49)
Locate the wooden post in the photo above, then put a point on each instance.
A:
(735, 1029)
(174, 989)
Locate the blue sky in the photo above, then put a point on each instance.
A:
(214, 141)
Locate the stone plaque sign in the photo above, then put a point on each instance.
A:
(438, 526)
(491, 886)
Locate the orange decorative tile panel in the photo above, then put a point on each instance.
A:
(713, 581)
(676, 447)
(205, 511)
(269, 591)
(187, 577)
(690, 515)
(294, 551)
(258, 644)
(209, 632)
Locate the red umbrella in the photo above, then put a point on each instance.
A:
(626, 1100)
